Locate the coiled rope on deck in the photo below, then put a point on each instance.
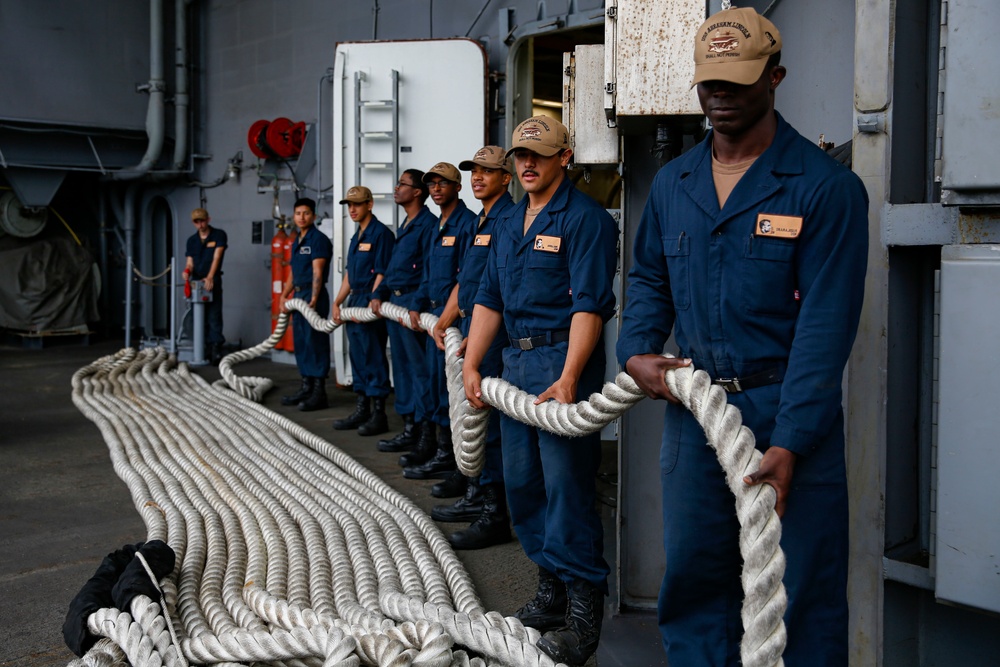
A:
(765, 599)
(288, 551)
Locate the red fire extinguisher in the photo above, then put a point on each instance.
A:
(277, 278)
(287, 339)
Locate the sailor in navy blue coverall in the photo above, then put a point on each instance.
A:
(549, 285)
(367, 258)
(204, 254)
(485, 498)
(311, 253)
(402, 280)
(451, 236)
(763, 289)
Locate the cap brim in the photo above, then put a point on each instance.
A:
(544, 151)
(353, 201)
(742, 73)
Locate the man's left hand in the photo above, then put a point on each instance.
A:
(776, 469)
(208, 282)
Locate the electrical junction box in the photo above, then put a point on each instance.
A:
(966, 542)
(649, 61)
(592, 140)
(971, 105)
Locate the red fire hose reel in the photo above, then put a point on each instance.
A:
(278, 138)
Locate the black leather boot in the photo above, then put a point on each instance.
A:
(425, 447)
(301, 394)
(575, 643)
(316, 400)
(453, 487)
(547, 610)
(441, 465)
(377, 423)
(215, 353)
(362, 411)
(402, 442)
(467, 508)
(493, 525)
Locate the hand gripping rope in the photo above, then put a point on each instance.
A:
(291, 552)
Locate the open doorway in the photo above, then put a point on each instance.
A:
(539, 83)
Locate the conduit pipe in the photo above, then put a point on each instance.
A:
(156, 89)
(131, 194)
(181, 96)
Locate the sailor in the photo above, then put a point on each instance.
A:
(452, 235)
(550, 290)
(484, 501)
(402, 279)
(311, 253)
(367, 258)
(203, 261)
(752, 249)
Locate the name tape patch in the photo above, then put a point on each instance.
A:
(778, 226)
(548, 243)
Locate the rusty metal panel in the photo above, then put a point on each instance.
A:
(583, 107)
(653, 56)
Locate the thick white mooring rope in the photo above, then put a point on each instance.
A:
(288, 551)
(502, 640)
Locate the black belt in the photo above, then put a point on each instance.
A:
(462, 314)
(435, 304)
(761, 379)
(401, 292)
(549, 338)
(299, 288)
(355, 292)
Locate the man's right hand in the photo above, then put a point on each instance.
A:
(649, 371)
(336, 314)
(473, 391)
(415, 321)
(375, 305)
(437, 333)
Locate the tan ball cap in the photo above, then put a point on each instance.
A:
(445, 170)
(734, 46)
(541, 134)
(357, 194)
(491, 157)
(199, 214)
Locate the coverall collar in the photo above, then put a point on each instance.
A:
(759, 183)
(545, 219)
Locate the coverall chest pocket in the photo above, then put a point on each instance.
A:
(677, 252)
(548, 273)
(768, 277)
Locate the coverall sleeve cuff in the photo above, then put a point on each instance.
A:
(626, 349)
(488, 301)
(800, 442)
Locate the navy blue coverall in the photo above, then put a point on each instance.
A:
(202, 252)
(399, 286)
(772, 282)
(550, 479)
(312, 347)
(368, 256)
(470, 274)
(447, 245)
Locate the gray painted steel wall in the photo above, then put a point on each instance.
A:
(75, 62)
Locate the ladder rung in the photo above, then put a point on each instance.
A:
(376, 165)
(381, 195)
(377, 104)
(378, 134)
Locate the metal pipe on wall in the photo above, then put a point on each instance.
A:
(129, 223)
(181, 97)
(156, 88)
